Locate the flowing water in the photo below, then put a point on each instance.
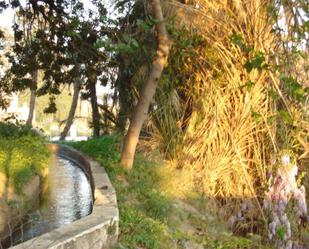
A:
(68, 198)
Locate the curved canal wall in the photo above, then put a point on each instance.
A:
(99, 230)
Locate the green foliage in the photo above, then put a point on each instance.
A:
(296, 90)
(10, 130)
(257, 62)
(129, 45)
(233, 243)
(249, 84)
(104, 150)
(22, 155)
(67, 38)
(285, 116)
(156, 205)
(51, 108)
(281, 232)
(237, 40)
(145, 25)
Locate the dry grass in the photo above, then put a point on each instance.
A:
(233, 132)
(228, 140)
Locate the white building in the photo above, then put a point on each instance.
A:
(14, 110)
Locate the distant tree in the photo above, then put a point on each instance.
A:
(76, 90)
(32, 98)
(91, 92)
(5, 40)
(62, 37)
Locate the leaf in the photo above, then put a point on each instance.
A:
(285, 116)
(271, 119)
(143, 25)
(255, 115)
(15, 3)
(134, 43)
(74, 34)
(248, 66)
(51, 108)
(295, 89)
(238, 41)
(257, 62)
(273, 95)
(281, 232)
(100, 44)
(249, 85)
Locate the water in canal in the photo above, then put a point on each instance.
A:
(69, 198)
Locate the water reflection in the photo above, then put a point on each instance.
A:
(68, 198)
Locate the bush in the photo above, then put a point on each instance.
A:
(10, 130)
(105, 150)
(23, 154)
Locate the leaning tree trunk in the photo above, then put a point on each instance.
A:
(69, 122)
(32, 98)
(95, 110)
(141, 110)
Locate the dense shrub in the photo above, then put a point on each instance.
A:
(23, 154)
(10, 130)
(104, 149)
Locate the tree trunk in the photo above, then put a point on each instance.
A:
(125, 101)
(95, 110)
(141, 110)
(32, 99)
(69, 122)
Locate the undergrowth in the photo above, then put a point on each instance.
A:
(145, 210)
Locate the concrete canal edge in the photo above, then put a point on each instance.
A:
(99, 230)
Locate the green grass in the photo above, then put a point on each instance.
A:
(139, 230)
(145, 211)
(23, 154)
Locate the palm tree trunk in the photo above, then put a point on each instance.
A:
(69, 122)
(141, 110)
(32, 99)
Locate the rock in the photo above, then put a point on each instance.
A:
(12, 206)
(4, 210)
(100, 198)
(32, 188)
